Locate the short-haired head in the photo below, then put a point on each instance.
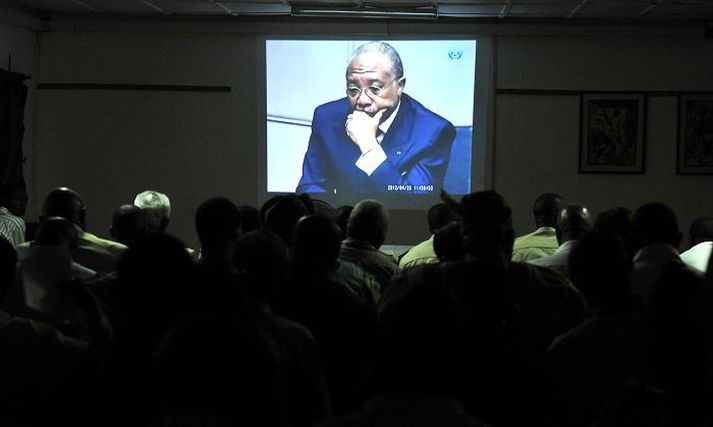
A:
(395, 67)
(701, 230)
(323, 208)
(315, 244)
(280, 214)
(129, 224)
(217, 223)
(447, 242)
(655, 223)
(375, 80)
(369, 221)
(546, 208)
(157, 207)
(64, 202)
(57, 231)
(249, 218)
(487, 226)
(440, 215)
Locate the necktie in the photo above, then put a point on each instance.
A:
(379, 135)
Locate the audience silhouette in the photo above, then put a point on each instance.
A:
(292, 316)
(129, 224)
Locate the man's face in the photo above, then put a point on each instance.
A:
(370, 72)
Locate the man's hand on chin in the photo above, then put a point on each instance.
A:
(361, 129)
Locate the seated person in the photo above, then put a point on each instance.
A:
(158, 210)
(95, 253)
(366, 232)
(377, 136)
(334, 311)
(588, 366)
(12, 227)
(157, 207)
(656, 236)
(542, 241)
(448, 244)
(439, 215)
(218, 226)
(58, 232)
(572, 223)
(35, 355)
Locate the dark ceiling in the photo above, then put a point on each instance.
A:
(643, 11)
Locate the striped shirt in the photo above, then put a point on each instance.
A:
(11, 227)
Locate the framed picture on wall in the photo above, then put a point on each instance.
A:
(695, 133)
(612, 127)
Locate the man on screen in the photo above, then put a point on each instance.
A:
(377, 139)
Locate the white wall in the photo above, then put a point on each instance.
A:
(537, 136)
(109, 145)
(21, 44)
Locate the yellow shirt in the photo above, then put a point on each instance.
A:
(540, 243)
(422, 253)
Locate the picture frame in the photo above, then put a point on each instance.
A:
(612, 132)
(695, 134)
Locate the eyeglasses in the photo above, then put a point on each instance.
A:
(371, 91)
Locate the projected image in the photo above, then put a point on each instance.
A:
(353, 119)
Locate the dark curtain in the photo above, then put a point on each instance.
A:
(13, 96)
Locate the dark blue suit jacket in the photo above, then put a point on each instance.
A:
(417, 146)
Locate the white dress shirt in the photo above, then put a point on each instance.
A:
(697, 257)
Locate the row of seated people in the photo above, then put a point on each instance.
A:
(288, 319)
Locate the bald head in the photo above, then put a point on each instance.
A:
(369, 221)
(573, 222)
(66, 203)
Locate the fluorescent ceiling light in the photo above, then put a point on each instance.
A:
(394, 11)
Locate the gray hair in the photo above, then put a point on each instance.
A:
(396, 68)
(157, 208)
(369, 221)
